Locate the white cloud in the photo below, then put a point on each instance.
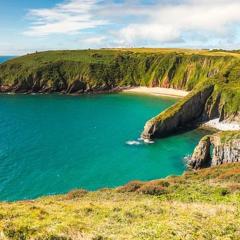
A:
(135, 23)
(153, 31)
(169, 22)
(94, 41)
(66, 18)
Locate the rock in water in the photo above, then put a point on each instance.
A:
(201, 156)
(225, 149)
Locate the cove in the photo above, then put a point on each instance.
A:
(51, 144)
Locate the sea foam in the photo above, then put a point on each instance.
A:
(146, 140)
(133, 142)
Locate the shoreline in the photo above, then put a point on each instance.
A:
(157, 91)
(153, 91)
(63, 92)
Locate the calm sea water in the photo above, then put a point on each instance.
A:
(5, 58)
(51, 144)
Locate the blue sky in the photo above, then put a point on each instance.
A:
(28, 26)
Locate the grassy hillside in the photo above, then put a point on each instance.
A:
(198, 205)
(106, 69)
(58, 69)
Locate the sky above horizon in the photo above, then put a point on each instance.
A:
(28, 26)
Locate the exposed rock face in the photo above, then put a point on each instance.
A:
(212, 109)
(76, 86)
(201, 156)
(228, 152)
(178, 116)
(223, 151)
(5, 88)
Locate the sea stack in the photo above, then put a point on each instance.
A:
(216, 149)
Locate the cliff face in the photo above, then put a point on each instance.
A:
(201, 156)
(187, 110)
(215, 150)
(225, 152)
(210, 100)
(87, 70)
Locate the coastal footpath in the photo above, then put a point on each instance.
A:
(211, 77)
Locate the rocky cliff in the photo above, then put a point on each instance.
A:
(188, 110)
(210, 100)
(217, 149)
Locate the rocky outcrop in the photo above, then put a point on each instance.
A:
(215, 150)
(201, 156)
(76, 86)
(225, 152)
(5, 88)
(186, 111)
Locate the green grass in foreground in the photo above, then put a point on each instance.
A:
(197, 205)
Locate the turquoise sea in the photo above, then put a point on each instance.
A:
(53, 143)
(5, 58)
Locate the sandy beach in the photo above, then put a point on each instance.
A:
(158, 91)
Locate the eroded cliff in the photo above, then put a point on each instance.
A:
(187, 110)
(216, 149)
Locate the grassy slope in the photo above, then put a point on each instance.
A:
(198, 205)
(228, 136)
(134, 66)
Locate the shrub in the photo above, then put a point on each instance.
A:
(55, 237)
(223, 191)
(152, 189)
(99, 237)
(132, 186)
(21, 233)
(77, 193)
(162, 183)
(96, 55)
